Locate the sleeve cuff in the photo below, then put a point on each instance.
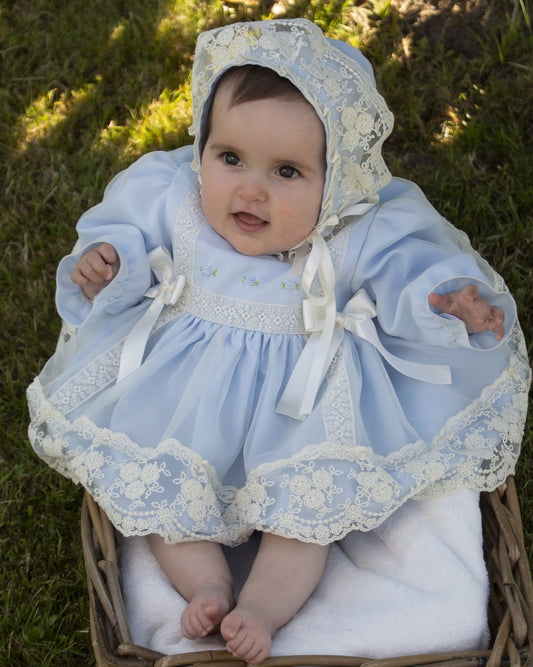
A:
(455, 328)
(125, 290)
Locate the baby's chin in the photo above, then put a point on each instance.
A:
(249, 250)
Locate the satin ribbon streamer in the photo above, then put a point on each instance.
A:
(165, 293)
(326, 328)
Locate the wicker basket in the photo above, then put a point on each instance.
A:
(510, 605)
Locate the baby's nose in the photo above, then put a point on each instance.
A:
(252, 188)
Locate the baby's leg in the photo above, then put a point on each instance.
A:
(200, 573)
(284, 574)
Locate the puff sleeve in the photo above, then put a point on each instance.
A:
(409, 251)
(136, 215)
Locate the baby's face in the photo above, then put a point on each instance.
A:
(263, 172)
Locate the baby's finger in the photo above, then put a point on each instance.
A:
(78, 278)
(442, 302)
(482, 312)
(470, 292)
(108, 253)
(499, 332)
(498, 318)
(96, 269)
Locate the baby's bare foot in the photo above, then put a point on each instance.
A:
(205, 612)
(248, 633)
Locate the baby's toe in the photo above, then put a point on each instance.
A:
(256, 654)
(246, 637)
(230, 627)
(190, 626)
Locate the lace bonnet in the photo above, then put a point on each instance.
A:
(333, 76)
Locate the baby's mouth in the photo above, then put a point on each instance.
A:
(249, 222)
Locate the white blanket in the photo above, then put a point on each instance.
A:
(416, 584)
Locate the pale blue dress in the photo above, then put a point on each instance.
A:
(190, 446)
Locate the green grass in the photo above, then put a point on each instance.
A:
(87, 87)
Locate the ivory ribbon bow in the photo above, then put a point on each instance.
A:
(165, 293)
(326, 328)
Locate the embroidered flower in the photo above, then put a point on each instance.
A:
(79, 472)
(256, 492)
(250, 281)
(128, 526)
(94, 460)
(165, 516)
(357, 123)
(290, 285)
(381, 492)
(314, 499)
(208, 270)
(322, 479)
(134, 490)
(367, 480)
(322, 534)
(130, 471)
(210, 498)
(333, 88)
(286, 521)
(268, 41)
(509, 422)
(355, 177)
(197, 510)
(150, 473)
(231, 515)
(225, 37)
(52, 446)
(299, 485)
(240, 45)
(352, 512)
(253, 514)
(475, 440)
(434, 470)
(191, 489)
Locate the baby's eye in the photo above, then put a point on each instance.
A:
(288, 172)
(230, 158)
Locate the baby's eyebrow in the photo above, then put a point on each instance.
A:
(222, 147)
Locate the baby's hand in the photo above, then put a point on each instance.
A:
(473, 310)
(96, 269)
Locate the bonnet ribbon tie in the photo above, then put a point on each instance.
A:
(165, 293)
(326, 328)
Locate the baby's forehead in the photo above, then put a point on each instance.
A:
(278, 118)
(233, 90)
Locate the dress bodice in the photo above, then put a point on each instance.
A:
(226, 287)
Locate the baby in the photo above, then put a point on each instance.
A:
(263, 171)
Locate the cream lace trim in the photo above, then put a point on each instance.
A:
(327, 490)
(262, 317)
